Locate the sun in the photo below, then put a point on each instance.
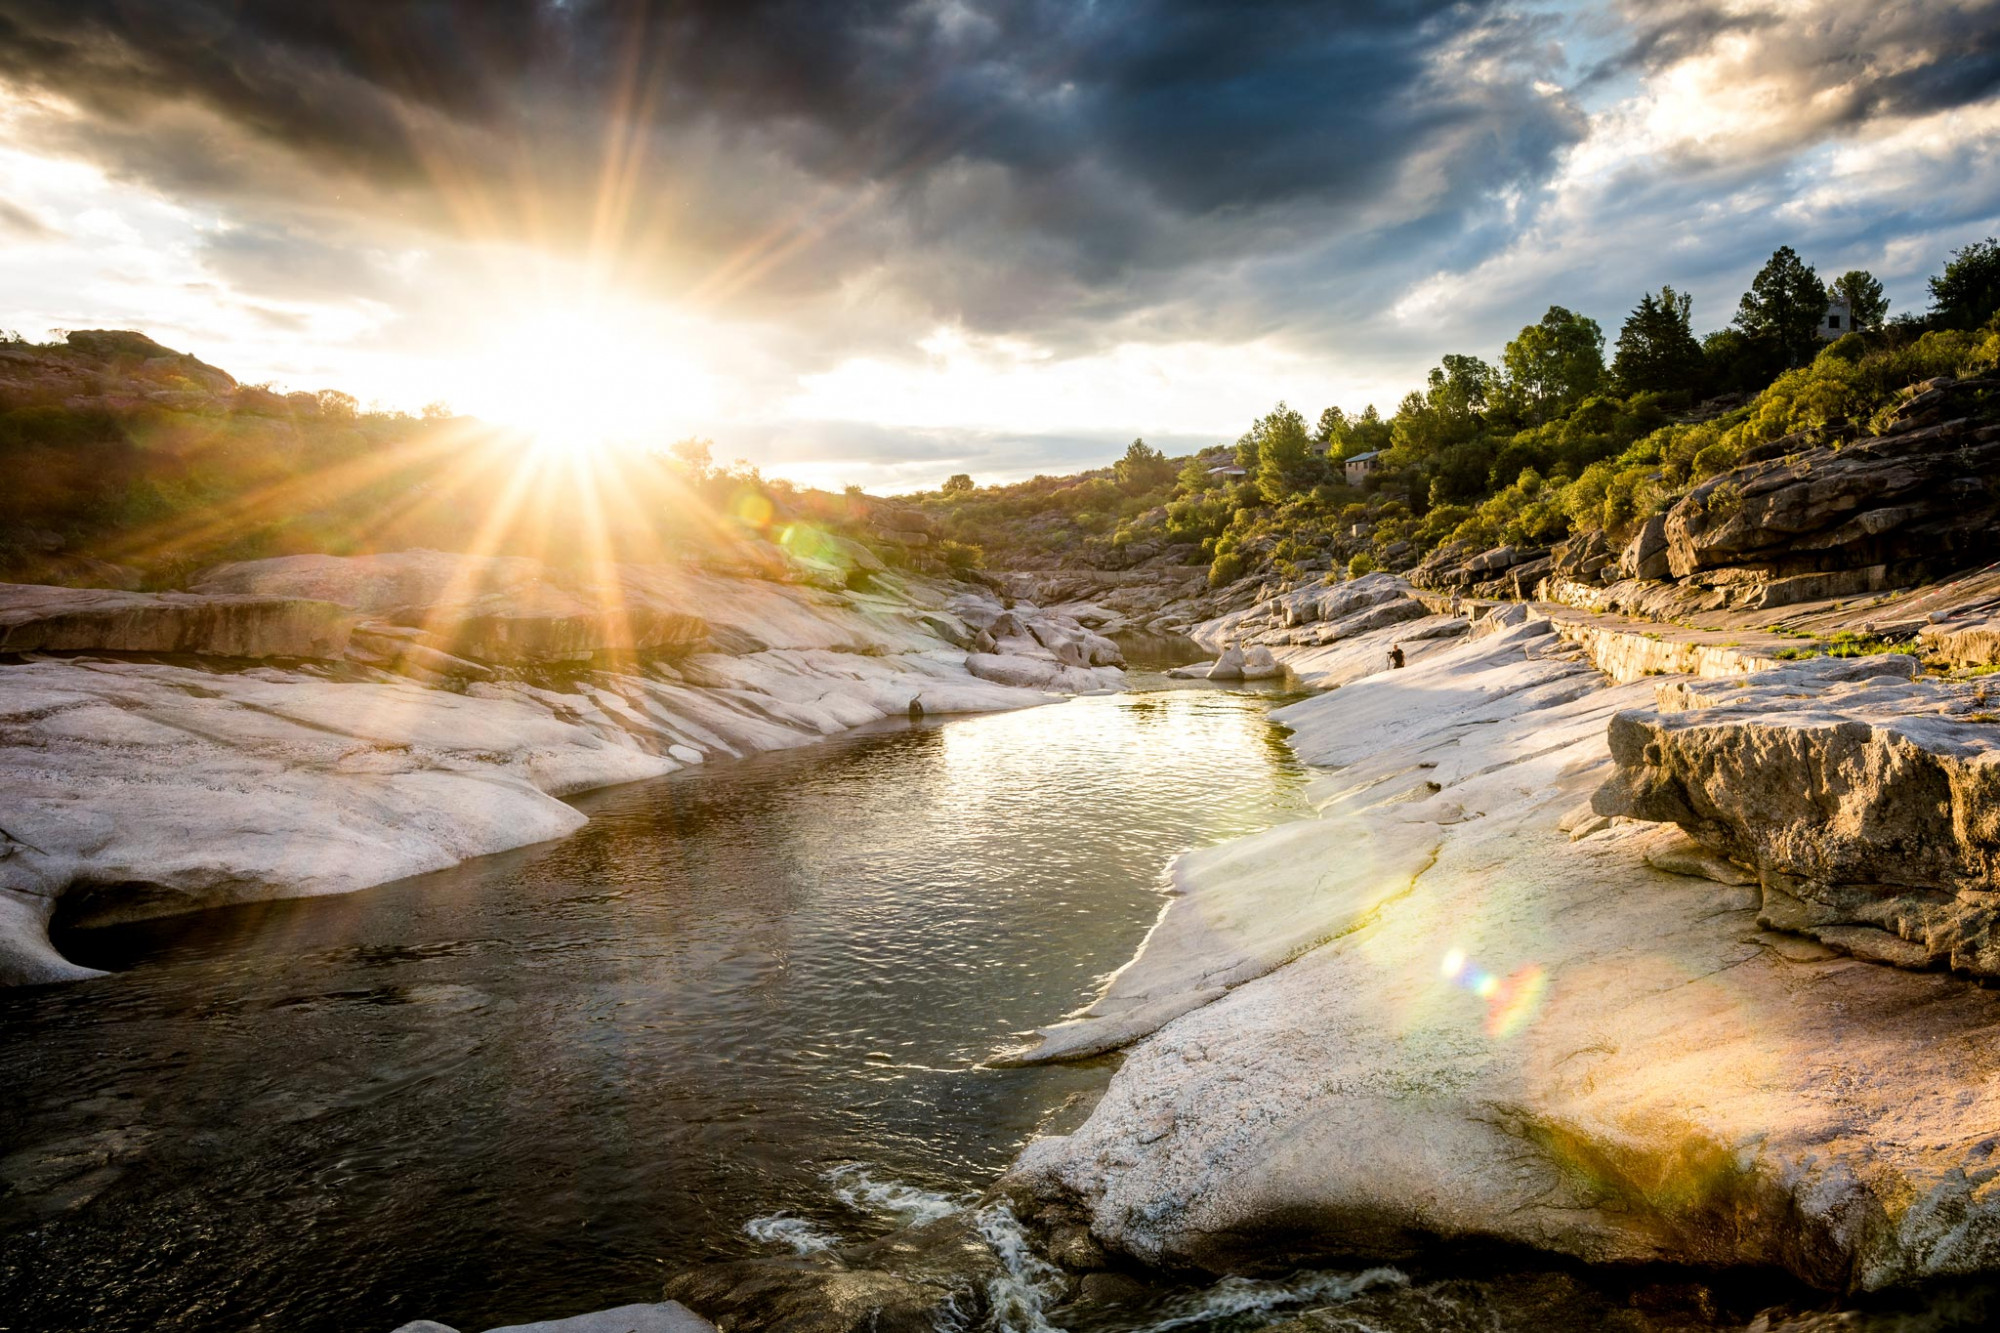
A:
(581, 378)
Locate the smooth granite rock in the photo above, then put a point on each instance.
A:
(1517, 1038)
(137, 789)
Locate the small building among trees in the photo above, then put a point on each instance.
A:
(1361, 466)
(1838, 319)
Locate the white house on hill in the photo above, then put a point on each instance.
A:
(1837, 320)
(1361, 465)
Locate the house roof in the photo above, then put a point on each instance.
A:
(1362, 458)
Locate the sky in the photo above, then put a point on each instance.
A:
(885, 241)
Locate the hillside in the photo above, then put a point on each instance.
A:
(132, 466)
(1509, 462)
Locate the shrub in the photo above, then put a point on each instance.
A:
(1226, 568)
(1362, 563)
(961, 557)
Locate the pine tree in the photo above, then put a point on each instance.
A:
(1142, 468)
(1657, 351)
(1784, 306)
(1863, 294)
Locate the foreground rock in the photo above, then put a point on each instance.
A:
(1431, 1014)
(1867, 801)
(140, 785)
(664, 1317)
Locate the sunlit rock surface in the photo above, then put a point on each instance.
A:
(1867, 800)
(1434, 1014)
(150, 773)
(35, 618)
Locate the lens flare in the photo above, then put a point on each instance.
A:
(753, 510)
(1514, 1005)
(1511, 1001)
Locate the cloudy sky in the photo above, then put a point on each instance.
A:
(887, 240)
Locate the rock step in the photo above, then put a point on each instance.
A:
(1628, 649)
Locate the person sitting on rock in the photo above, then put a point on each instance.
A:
(1395, 656)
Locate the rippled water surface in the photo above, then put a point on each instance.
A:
(531, 1085)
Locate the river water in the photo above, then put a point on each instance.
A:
(744, 1006)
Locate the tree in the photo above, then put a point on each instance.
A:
(1657, 351)
(1967, 293)
(1142, 468)
(1286, 464)
(696, 457)
(958, 483)
(1784, 306)
(1734, 362)
(1554, 364)
(1367, 433)
(337, 406)
(1332, 426)
(1447, 412)
(1865, 303)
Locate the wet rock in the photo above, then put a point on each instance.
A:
(140, 789)
(916, 1280)
(1259, 664)
(664, 1317)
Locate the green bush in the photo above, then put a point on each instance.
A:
(1226, 568)
(1361, 563)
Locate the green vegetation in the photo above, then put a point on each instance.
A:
(1967, 294)
(1549, 442)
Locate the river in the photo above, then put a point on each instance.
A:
(744, 1007)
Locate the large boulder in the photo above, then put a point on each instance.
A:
(1229, 666)
(1867, 801)
(1585, 557)
(39, 619)
(1645, 556)
(1258, 664)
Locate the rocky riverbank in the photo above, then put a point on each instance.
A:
(319, 724)
(1622, 968)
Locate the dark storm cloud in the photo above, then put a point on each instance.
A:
(1108, 148)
